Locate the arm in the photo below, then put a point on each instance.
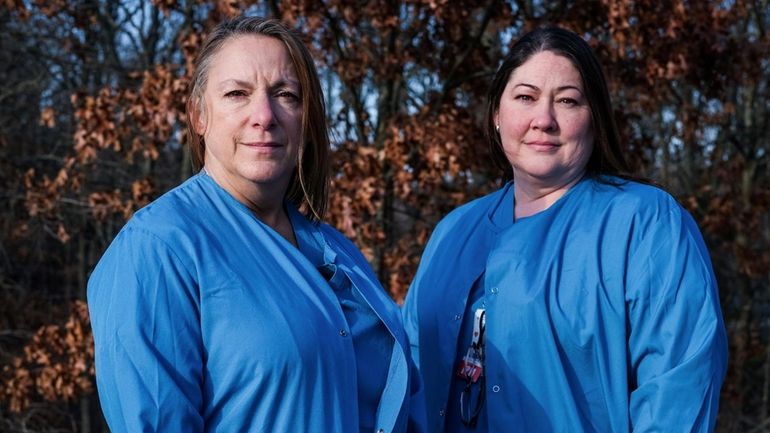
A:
(409, 315)
(144, 311)
(417, 422)
(676, 340)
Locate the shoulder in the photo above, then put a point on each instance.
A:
(629, 197)
(475, 208)
(167, 225)
(177, 208)
(652, 215)
(468, 214)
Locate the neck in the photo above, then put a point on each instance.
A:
(534, 197)
(264, 201)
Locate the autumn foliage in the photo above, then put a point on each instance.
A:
(57, 364)
(91, 129)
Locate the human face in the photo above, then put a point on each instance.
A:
(545, 122)
(251, 117)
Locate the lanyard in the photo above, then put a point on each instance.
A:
(472, 370)
(479, 326)
(472, 365)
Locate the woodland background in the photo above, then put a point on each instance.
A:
(91, 129)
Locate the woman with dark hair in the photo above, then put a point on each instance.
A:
(575, 298)
(226, 305)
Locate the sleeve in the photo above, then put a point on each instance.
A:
(410, 309)
(410, 314)
(145, 316)
(417, 422)
(676, 341)
(418, 417)
(411, 324)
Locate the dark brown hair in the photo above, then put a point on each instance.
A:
(607, 157)
(310, 182)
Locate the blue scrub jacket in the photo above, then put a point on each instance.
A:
(207, 320)
(602, 313)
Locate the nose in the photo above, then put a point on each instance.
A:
(544, 117)
(262, 112)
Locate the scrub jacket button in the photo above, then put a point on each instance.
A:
(457, 317)
(496, 388)
(382, 430)
(441, 412)
(343, 333)
(494, 290)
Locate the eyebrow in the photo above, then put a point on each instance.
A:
(242, 83)
(231, 81)
(558, 89)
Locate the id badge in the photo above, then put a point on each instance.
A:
(470, 367)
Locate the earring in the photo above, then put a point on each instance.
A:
(497, 128)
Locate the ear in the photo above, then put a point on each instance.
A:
(198, 116)
(496, 118)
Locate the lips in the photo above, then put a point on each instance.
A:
(262, 144)
(542, 145)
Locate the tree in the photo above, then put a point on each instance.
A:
(91, 129)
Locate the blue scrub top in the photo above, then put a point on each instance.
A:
(454, 422)
(372, 342)
(207, 320)
(602, 313)
(502, 217)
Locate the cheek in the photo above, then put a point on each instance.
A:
(513, 123)
(293, 127)
(585, 151)
(585, 146)
(586, 133)
(578, 130)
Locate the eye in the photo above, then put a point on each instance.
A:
(288, 95)
(235, 94)
(568, 101)
(524, 98)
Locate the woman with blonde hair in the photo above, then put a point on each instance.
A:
(226, 305)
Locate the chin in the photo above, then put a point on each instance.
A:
(263, 170)
(263, 176)
(543, 172)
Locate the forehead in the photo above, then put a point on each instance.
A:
(247, 54)
(547, 66)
